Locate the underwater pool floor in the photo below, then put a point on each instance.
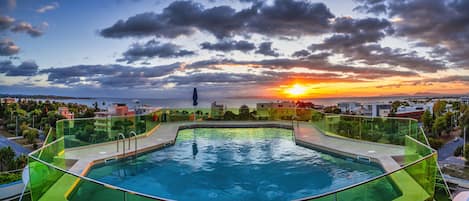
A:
(233, 164)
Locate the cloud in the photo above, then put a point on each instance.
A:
(226, 46)
(281, 18)
(8, 48)
(152, 49)
(319, 64)
(439, 25)
(48, 7)
(371, 6)
(26, 68)
(357, 41)
(301, 53)
(27, 28)
(6, 22)
(108, 75)
(265, 48)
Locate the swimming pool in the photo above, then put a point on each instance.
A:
(233, 164)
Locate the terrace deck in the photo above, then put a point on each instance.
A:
(305, 135)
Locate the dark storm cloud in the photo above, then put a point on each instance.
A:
(282, 18)
(26, 68)
(265, 48)
(226, 46)
(152, 49)
(8, 47)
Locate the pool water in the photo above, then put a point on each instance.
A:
(234, 164)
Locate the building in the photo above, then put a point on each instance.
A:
(465, 100)
(66, 113)
(217, 110)
(120, 109)
(104, 119)
(377, 109)
(349, 107)
(145, 109)
(414, 111)
(8, 100)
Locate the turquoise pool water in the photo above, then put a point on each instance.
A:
(233, 164)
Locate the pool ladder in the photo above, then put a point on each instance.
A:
(132, 133)
(123, 142)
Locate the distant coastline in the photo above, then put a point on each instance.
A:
(42, 96)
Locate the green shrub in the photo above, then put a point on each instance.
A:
(10, 177)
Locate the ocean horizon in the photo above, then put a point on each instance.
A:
(205, 103)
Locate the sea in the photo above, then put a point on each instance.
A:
(104, 102)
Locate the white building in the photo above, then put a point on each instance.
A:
(217, 110)
(415, 108)
(145, 109)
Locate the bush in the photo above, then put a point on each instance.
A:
(10, 177)
(435, 143)
(458, 151)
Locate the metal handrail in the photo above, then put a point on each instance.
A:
(123, 142)
(135, 137)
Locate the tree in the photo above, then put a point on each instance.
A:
(449, 121)
(427, 120)
(95, 105)
(229, 115)
(6, 158)
(439, 108)
(396, 104)
(122, 125)
(30, 135)
(440, 125)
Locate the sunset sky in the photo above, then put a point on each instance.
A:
(234, 48)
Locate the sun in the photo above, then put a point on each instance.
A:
(297, 90)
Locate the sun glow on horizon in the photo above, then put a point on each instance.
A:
(296, 90)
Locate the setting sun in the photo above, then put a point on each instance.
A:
(296, 90)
